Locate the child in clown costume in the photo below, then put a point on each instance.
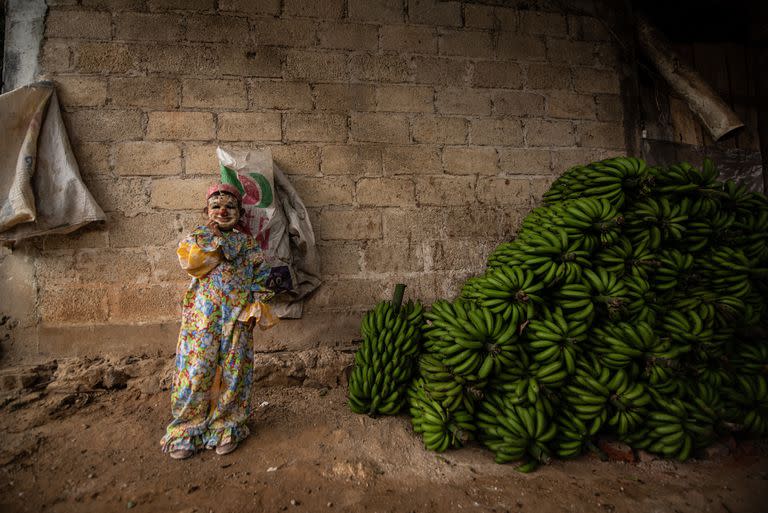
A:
(225, 299)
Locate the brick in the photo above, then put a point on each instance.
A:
(145, 303)
(152, 92)
(470, 160)
(348, 36)
(174, 194)
(590, 80)
(525, 161)
(214, 94)
(379, 68)
(165, 263)
(271, 7)
(180, 125)
(55, 57)
(77, 91)
(496, 132)
(273, 94)
(431, 286)
(466, 43)
(385, 192)
(56, 268)
(539, 186)
(217, 29)
(349, 293)
(73, 305)
(249, 126)
(520, 47)
(297, 159)
(111, 58)
(92, 158)
(504, 191)
(548, 23)
(445, 190)
(349, 224)
(345, 97)
(315, 127)
(147, 158)
(543, 132)
(564, 159)
(374, 127)
(104, 125)
(340, 257)
(243, 61)
(433, 129)
(143, 230)
(517, 103)
(113, 5)
(471, 102)
(433, 12)
(440, 71)
(148, 27)
(355, 160)
(191, 5)
(314, 8)
(283, 32)
(79, 24)
(609, 107)
(315, 66)
(416, 223)
(321, 192)
(381, 256)
(548, 76)
(564, 104)
(200, 159)
(114, 265)
(600, 135)
(170, 59)
(571, 52)
(127, 195)
(455, 254)
(382, 11)
(411, 160)
(608, 56)
(409, 39)
(489, 17)
(404, 98)
(483, 222)
(507, 75)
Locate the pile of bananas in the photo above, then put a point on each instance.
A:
(385, 360)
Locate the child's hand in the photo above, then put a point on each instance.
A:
(214, 227)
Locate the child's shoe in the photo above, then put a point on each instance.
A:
(221, 450)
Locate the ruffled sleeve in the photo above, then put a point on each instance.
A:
(199, 253)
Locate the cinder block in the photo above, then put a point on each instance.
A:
(506, 75)
(587, 28)
(498, 223)
(348, 293)
(314, 8)
(490, 17)
(466, 43)
(321, 192)
(144, 230)
(382, 11)
(357, 160)
(113, 5)
(168, 58)
(591, 80)
(460, 160)
(315, 127)
(242, 60)
(127, 195)
(609, 107)
(104, 125)
(434, 12)
(548, 23)
(345, 97)
(550, 133)
(470, 102)
(217, 29)
(520, 47)
(282, 95)
(192, 5)
(414, 223)
(214, 94)
(56, 268)
(92, 158)
(508, 191)
(113, 265)
(412, 160)
(292, 32)
(75, 304)
(297, 159)
(434, 129)
(385, 256)
(340, 257)
(271, 7)
(55, 56)
(409, 39)
(145, 303)
(548, 76)
(349, 224)
(75, 91)
(348, 36)
(600, 135)
(174, 194)
(315, 66)
(180, 125)
(564, 159)
(379, 68)
(496, 132)
(445, 190)
(565, 104)
(249, 126)
(517, 103)
(107, 58)
(200, 159)
(571, 52)
(404, 98)
(460, 254)
(540, 185)
(165, 262)
(374, 127)
(147, 158)
(608, 56)
(152, 92)
(148, 26)
(385, 192)
(440, 71)
(525, 161)
(78, 24)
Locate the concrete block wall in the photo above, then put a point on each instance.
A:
(418, 133)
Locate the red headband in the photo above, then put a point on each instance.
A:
(224, 187)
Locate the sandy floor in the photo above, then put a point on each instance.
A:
(99, 451)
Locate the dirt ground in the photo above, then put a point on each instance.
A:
(85, 440)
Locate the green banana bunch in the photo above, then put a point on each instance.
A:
(674, 271)
(726, 271)
(654, 221)
(506, 254)
(642, 303)
(684, 179)
(573, 434)
(555, 339)
(750, 358)
(440, 429)
(451, 390)
(608, 293)
(752, 234)
(593, 222)
(748, 403)
(675, 428)
(617, 345)
(686, 329)
(552, 256)
(506, 291)
(625, 259)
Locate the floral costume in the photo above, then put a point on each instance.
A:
(218, 313)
